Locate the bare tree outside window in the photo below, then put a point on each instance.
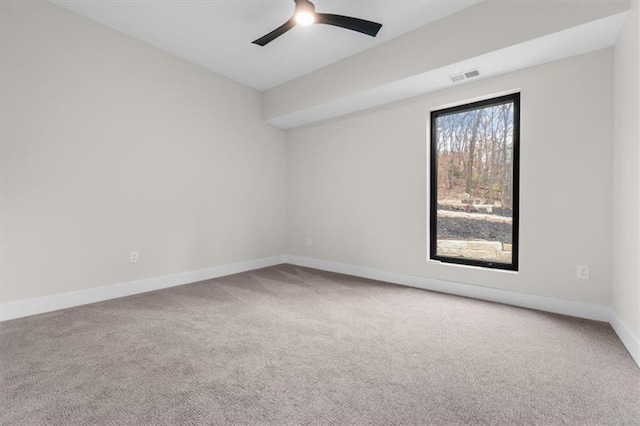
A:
(474, 183)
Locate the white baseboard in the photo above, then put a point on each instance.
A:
(23, 308)
(542, 303)
(626, 336)
(56, 302)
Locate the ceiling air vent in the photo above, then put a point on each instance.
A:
(464, 76)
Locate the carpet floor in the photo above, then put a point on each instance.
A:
(293, 346)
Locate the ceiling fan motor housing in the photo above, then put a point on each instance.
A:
(305, 6)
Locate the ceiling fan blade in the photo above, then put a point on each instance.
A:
(355, 24)
(275, 33)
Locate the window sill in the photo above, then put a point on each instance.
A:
(473, 267)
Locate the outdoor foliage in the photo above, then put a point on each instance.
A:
(475, 151)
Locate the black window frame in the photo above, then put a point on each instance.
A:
(433, 183)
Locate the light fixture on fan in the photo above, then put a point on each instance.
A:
(305, 13)
(305, 18)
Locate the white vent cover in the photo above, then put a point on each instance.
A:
(464, 76)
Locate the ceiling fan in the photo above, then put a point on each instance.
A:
(305, 14)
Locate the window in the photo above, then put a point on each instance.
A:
(474, 183)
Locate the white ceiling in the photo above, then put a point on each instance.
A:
(585, 38)
(217, 34)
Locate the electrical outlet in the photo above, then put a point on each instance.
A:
(582, 272)
(309, 242)
(133, 257)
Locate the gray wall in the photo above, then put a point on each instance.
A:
(626, 281)
(357, 186)
(110, 145)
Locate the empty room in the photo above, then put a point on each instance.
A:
(319, 213)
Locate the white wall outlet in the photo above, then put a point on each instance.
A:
(309, 242)
(133, 257)
(582, 272)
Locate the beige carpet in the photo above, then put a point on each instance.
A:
(292, 346)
